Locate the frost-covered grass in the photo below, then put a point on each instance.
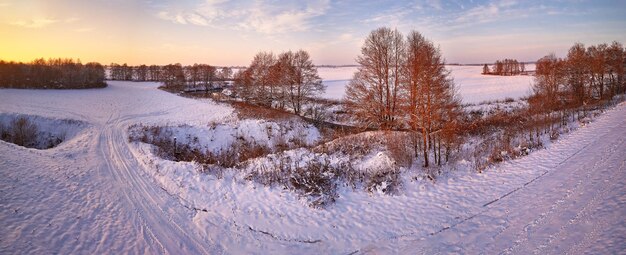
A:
(225, 144)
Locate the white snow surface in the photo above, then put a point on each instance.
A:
(472, 85)
(99, 193)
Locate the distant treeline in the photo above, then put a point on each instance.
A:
(584, 76)
(505, 67)
(55, 73)
(172, 75)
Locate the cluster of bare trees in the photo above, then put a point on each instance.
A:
(173, 74)
(289, 80)
(505, 67)
(51, 73)
(585, 76)
(402, 83)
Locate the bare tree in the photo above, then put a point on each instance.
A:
(243, 84)
(550, 82)
(305, 83)
(372, 95)
(264, 90)
(141, 73)
(578, 72)
(282, 74)
(616, 61)
(226, 73)
(431, 103)
(485, 69)
(154, 73)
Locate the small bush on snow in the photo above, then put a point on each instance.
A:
(385, 181)
(23, 132)
(316, 177)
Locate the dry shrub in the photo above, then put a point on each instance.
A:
(478, 158)
(356, 146)
(250, 111)
(554, 134)
(399, 147)
(162, 137)
(316, 181)
(20, 131)
(386, 180)
(4, 132)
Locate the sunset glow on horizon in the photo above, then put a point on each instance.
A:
(222, 32)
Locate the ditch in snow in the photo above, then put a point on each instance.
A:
(37, 132)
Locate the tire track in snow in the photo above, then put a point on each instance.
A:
(110, 166)
(566, 169)
(143, 195)
(581, 184)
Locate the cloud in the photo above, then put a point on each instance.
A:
(35, 23)
(272, 20)
(435, 4)
(260, 16)
(479, 14)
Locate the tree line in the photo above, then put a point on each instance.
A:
(505, 67)
(173, 75)
(585, 76)
(288, 80)
(54, 73)
(402, 83)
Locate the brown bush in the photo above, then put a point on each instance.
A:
(388, 180)
(399, 146)
(22, 132)
(166, 148)
(316, 181)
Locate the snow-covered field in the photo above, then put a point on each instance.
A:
(99, 193)
(473, 86)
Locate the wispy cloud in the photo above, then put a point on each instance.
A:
(35, 23)
(435, 4)
(260, 16)
(394, 17)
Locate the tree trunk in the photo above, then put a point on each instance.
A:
(425, 147)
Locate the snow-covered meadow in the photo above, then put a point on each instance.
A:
(473, 87)
(98, 192)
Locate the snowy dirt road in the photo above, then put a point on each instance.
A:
(576, 205)
(90, 194)
(87, 195)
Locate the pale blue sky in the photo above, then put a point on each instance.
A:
(223, 32)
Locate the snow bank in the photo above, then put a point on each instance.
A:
(217, 137)
(41, 132)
